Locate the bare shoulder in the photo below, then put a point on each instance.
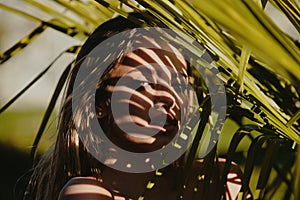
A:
(234, 177)
(234, 168)
(84, 188)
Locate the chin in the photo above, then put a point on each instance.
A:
(144, 143)
(141, 142)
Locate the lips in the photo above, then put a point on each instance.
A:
(166, 121)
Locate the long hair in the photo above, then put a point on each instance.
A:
(71, 154)
(68, 157)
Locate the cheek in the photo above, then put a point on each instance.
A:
(139, 115)
(139, 104)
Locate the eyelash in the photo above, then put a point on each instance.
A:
(144, 83)
(176, 86)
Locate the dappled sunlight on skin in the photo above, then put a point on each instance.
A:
(234, 185)
(150, 99)
(84, 188)
(148, 95)
(124, 185)
(145, 103)
(155, 97)
(152, 108)
(131, 103)
(148, 114)
(144, 56)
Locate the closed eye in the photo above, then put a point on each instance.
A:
(144, 83)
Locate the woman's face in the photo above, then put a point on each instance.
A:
(147, 91)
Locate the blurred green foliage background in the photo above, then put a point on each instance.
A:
(20, 123)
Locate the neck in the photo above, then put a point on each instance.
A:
(134, 184)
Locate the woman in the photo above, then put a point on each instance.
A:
(141, 100)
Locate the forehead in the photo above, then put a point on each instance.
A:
(156, 61)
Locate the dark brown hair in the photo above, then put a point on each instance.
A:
(68, 157)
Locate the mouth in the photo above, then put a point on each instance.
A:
(162, 124)
(166, 122)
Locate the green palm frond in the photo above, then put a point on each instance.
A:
(258, 63)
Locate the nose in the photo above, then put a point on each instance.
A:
(161, 96)
(164, 102)
(158, 113)
(159, 108)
